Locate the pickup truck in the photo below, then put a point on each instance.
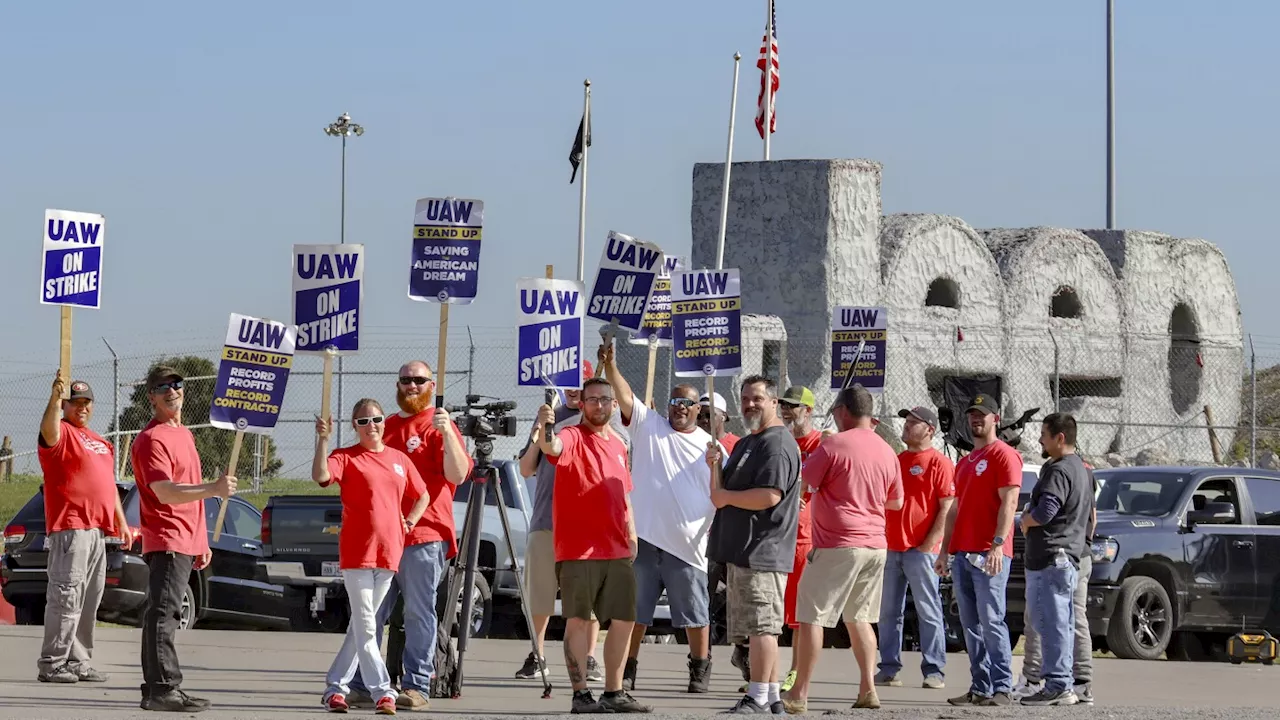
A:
(300, 550)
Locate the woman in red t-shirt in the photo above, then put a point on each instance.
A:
(374, 479)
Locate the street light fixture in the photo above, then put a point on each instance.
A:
(342, 127)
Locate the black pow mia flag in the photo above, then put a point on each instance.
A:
(581, 139)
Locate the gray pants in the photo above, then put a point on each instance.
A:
(77, 576)
(1033, 653)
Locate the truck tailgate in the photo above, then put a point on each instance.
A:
(304, 538)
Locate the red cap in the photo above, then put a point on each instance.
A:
(587, 371)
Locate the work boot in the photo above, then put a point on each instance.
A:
(629, 674)
(175, 700)
(699, 674)
(621, 702)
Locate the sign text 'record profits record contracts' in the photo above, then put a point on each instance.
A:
(706, 322)
(328, 287)
(252, 374)
(446, 250)
(849, 325)
(550, 334)
(72, 260)
(657, 317)
(624, 281)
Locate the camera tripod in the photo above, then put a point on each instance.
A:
(484, 479)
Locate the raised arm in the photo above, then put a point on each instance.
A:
(621, 390)
(320, 461)
(547, 418)
(51, 421)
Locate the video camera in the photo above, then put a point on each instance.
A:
(492, 420)
(1011, 433)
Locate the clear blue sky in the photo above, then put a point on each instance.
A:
(196, 129)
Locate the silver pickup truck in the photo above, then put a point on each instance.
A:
(300, 550)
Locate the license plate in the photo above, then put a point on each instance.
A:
(329, 568)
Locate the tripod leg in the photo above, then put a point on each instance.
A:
(515, 570)
(475, 508)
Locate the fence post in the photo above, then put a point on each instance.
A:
(1213, 436)
(1253, 405)
(257, 463)
(115, 400)
(471, 361)
(6, 459)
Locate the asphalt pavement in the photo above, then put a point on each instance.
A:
(280, 674)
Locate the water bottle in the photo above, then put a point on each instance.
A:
(1060, 559)
(977, 560)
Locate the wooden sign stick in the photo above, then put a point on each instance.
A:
(648, 381)
(715, 434)
(327, 382)
(444, 339)
(64, 350)
(231, 470)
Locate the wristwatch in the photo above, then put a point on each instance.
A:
(997, 541)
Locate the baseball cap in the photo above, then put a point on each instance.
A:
(985, 404)
(159, 374)
(921, 413)
(80, 389)
(720, 404)
(799, 395)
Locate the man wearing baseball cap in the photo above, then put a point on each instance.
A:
(914, 536)
(175, 536)
(978, 543)
(715, 412)
(81, 507)
(796, 408)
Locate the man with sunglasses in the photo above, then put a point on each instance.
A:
(175, 536)
(434, 443)
(671, 477)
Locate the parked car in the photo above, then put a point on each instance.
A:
(232, 592)
(300, 551)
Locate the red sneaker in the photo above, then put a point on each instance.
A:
(336, 703)
(386, 706)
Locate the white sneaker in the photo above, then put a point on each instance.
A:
(1025, 688)
(1084, 692)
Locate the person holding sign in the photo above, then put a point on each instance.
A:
(754, 535)
(670, 481)
(175, 536)
(855, 479)
(595, 543)
(715, 412)
(376, 481)
(81, 506)
(434, 445)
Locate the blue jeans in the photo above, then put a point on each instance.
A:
(914, 568)
(420, 569)
(686, 586)
(986, 635)
(1049, 595)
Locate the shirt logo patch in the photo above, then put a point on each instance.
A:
(622, 461)
(981, 467)
(93, 446)
(916, 470)
(414, 443)
(398, 468)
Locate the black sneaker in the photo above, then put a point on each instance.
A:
(741, 659)
(999, 699)
(584, 702)
(622, 702)
(593, 670)
(61, 674)
(1051, 697)
(969, 698)
(532, 667)
(175, 701)
(629, 674)
(699, 674)
(777, 708)
(748, 706)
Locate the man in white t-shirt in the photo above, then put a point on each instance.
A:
(673, 512)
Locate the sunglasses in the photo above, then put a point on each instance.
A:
(416, 380)
(375, 419)
(682, 402)
(164, 387)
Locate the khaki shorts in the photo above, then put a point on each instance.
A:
(591, 589)
(540, 573)
(755, 599)
(836, 580)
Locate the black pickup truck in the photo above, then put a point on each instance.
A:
(300, 551)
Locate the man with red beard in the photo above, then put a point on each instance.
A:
(433, 442)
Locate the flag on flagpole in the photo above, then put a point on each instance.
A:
(582, 138)
(771, 34)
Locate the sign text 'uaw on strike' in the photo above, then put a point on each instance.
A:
(71, 268)
(550, 333)
(328, 289)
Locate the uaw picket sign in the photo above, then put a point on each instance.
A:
(328, 290)
(72, 262)
(624, 281)
(445, 265)
(550, 333)
(849, 325)
(706, 322)
(657, 316)
(252, 374)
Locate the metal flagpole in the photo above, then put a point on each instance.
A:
(728, 164)
(1111, 116)
(768, 76)
(582, 191)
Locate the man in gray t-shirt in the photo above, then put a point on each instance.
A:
(1055, 525)
(540, 583)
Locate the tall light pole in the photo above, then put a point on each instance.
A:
(342, 127)
(1111, 115)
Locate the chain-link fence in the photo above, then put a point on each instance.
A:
(1137, 399)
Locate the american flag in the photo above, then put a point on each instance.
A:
(761, 63)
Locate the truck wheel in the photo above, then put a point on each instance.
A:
(29, 614)
(481, 607)
(1142, 624)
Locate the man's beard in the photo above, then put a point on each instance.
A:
(753, 422)
(413, 404)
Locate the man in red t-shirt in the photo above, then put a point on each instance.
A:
(595, 541)
(914, 536)
(978, 543)
(175, 538)
(433, 442)
(81, 507)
